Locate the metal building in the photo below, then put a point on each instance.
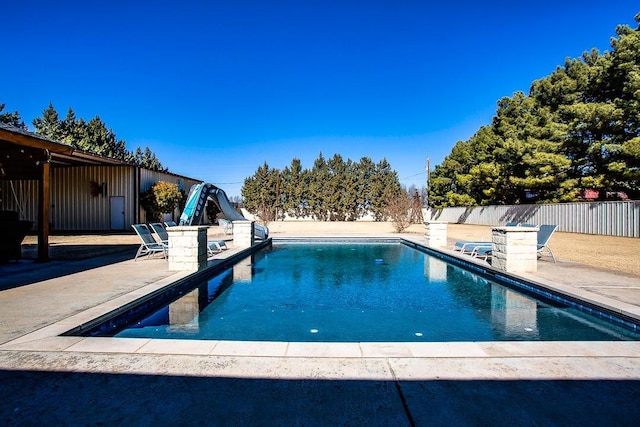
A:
(62, 189)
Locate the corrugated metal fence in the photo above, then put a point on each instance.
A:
(601, 218)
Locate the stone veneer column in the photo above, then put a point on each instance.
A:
(187, 248)
(243, 233)
(515, 249)
(436, 233)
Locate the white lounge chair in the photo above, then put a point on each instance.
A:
(544, 234)
(226, 225)
(467, 247)
(148, 244)
(482, 252)
(213, 246)
(216, 246)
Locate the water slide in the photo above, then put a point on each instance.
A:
(197, 200)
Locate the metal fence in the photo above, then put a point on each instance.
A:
(601, 218)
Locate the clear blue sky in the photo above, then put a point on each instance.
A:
(216, 88)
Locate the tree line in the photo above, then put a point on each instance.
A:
(91, 136)
(578, 129)
(331, 190)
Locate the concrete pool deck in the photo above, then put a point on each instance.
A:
(76, 380)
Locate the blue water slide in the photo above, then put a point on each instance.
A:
(197, 201)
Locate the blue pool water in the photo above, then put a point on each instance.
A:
(338, 292)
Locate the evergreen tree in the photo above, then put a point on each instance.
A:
(318, 198)
(49, 124)
(260, 194)
(71, 128)
(363, 172)
(294, 187)
(531, 166)
(578, 129)
(336, 189)
(449, 182)
(149, 160)
(331, 190)
(12, 119)
(384, 187)
(93, 137)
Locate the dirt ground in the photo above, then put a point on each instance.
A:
(606, 252)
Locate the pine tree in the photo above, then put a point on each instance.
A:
(331, 190)
(49, 124)
(12, 119)
(363, 172)
(93, 137)
(578, 129)
(385, 187)
(259, 193)
(318, 177)
(294, 187)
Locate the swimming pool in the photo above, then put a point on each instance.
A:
(358, 292)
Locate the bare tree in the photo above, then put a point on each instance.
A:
(399, 210)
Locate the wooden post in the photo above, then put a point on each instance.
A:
(44, 201)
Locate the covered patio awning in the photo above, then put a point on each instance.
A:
(27, 156)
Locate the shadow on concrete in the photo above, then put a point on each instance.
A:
(26, 271)
(54, 398)
(71, 252)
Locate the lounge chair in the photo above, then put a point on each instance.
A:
(226, 225)
(148, 245)
(482, 252)
(161, 232)
(467, 247)
(216, 246)
(213, 246)
(544, 234)
(170, 224)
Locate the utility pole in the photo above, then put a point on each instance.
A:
(426, 198)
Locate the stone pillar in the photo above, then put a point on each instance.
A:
(436, 233)
(187, 248)
(243, 234)
(515, 249)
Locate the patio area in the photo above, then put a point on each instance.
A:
(87, 381)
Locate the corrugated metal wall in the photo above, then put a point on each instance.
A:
(73, 208)
(149, 178)
(20, 196)
(601, 218)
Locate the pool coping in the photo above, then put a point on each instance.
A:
(47, 340)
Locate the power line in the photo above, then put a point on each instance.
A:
(418, 174)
